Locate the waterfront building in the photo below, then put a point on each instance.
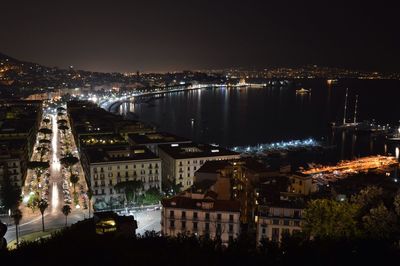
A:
(201, 214)
(106, 167)
(152, 139)
(87, 119)
(181, 161)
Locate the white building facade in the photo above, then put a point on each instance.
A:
(203, 218)
(276, 221)
(181, 161)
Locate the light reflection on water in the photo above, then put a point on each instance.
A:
(249, 116)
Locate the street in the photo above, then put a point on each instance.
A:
(57, 189)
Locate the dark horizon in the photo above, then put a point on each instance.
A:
(155, 36)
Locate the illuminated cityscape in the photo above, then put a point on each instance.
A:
(215, 133)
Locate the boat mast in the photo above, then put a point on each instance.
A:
(345, 106)
(355, 110)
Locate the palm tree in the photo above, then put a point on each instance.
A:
(69, 161)
(66, 210)
(90, 195)
(130, 188)
(42, 207)
(45, 131)
(17, 216)
(74, 180)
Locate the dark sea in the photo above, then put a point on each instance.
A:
(251, 116)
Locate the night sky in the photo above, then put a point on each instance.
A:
(175, 35)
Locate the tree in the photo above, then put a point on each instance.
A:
(63, 128)
(62, 121)
(42, 207)
(325, 218)
(46, 121)
(69, 161)
(152, 196)
(38, 166)
(66, 210)
(396, 203)
(33, 202)
(43, 151)
(45, 131)
(90, 195)
(17, 216)
(130, 188)
(74, 180)
(380, 223)
(44, 141)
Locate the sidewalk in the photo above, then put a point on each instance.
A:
(32, 237)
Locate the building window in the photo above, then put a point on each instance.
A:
(231, 217)
(183, 215)
(183, 224)
(296, 223)
(207, 216)
(230, 238)
(219, 216)
(286, 222)
(275, 234)
(207, 226)
(171, 213)
(102, 191)
(110, 182)
(195, 226)
(275, 221)
(172, 223)
(263, 230)
(219, 228)
(111, 191)
(230, 228)
(126, 166)
(296, 214)
(285, 232)
(195, 215)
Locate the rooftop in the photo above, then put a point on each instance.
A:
(117, 154)
(208, 204)
(194, 150)
(156, 138)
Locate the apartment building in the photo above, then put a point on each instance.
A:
(203, 215)
(105, 167)
(181, 161)
(279, 218)
(13, 161)
(154, 139)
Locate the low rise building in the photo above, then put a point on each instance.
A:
(201, 214)
(181, 161)
(106, 167)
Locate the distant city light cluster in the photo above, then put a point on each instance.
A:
(276, 146)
